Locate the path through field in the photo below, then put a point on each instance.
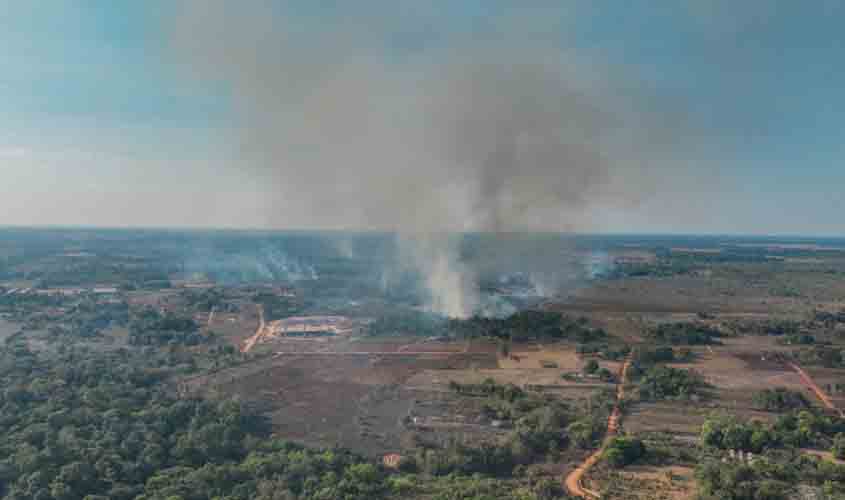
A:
(259, 333)
(573, 481)
(823, 397)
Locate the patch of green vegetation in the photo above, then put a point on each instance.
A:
(407, 323)
(771, 476)
(646, 356)
(780, 399)
(838, 448)
(538, 424)
(685, 334)
(528, 325)
(827, 356)
(797, 340)
(149, 327)
(799, 429)
(664, 382)
(623, 451)
(775, 327)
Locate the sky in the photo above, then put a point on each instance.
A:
(124, 113)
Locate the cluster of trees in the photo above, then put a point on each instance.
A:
(685, 333)
(489, 388)
(407, 322)
(605, 351)
(89, 318)
(207, 299)
(663, 268)
(280, 307)
(623, 451)
(533, 485)
(830, 319)
(779, 399)
(538, 421)
(149, 327)
(769, 477)
(795, 430)
(528, 325)
(838, 448)
(774, 327)
(802, 339)
(662, 354)
(664, 382)
(592, 367)
(273, 470)
(101, 425)
(827, 356)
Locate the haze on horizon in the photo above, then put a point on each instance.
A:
(594, 116)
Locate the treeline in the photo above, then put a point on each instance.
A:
(774, 327)
(645, 356)
(685, 333)
(528, 325)
(407, 322)
(799, 429)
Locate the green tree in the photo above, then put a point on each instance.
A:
(838, 448)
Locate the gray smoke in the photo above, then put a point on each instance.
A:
(501, 138)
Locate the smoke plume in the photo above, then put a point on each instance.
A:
(502, 137)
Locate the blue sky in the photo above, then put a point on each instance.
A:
(100, 123)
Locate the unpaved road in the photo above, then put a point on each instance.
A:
(574, 479)
(259, 333)
(823, 397)
(365, 353)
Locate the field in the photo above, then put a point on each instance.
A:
(304, 354)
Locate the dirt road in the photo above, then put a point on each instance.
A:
(365, 353)
(823, 397)
(259, 333)
(573, 481)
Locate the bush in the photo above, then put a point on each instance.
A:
(663, 382)
(685, 334)
(838, 448)
(623, 451)
(779, 399)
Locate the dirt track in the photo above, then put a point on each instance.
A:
(574, 479)
(366, 353)
(823, 397)
(259, 333)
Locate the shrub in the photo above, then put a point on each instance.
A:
(624, 451)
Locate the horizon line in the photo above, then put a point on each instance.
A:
(223, 229)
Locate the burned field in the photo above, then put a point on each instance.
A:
(347, 393)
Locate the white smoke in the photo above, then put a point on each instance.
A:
(499, 138)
